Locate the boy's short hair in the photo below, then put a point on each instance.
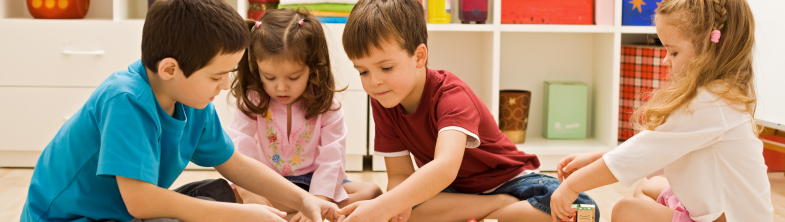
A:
(373, 22)
(192, 32)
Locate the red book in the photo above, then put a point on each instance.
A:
(548, 12)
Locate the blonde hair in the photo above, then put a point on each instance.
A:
(724, 68)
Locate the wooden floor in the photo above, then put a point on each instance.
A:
(14, 182)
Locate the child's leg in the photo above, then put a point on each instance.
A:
(520, 211)
(215, 189)
(633, 209)
(360, 191)
(534, 192)
(650, 188)
(460, 207)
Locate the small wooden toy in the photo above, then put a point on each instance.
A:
(585, 213)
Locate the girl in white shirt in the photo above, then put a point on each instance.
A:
(699, 132)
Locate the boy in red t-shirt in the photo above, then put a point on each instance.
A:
(468, 168)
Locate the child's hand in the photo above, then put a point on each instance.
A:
(317, 209)
(561, 201)
(255, 212)
(572, 163)
(299, 217)
(362, 211)
(402, 217)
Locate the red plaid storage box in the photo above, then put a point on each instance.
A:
(641, 73)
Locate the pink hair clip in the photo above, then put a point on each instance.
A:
(256, 25)
(715, 36)
(301, 22)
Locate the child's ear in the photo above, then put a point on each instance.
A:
(168, 68)
(421, 55)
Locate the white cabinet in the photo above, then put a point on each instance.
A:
(33, 115)
(355, 108)
(66, 52)
(50, 68)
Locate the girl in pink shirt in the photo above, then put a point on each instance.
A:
(287, 117)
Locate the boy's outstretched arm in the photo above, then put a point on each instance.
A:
(254, 176)
(147, 201)
(422, 185)
(398, 170)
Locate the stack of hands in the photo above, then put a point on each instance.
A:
(316, 210)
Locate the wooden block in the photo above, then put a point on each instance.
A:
(585, 213)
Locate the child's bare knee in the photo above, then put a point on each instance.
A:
(374, 190)
(505, 200)
(368, 190)
(621, 207)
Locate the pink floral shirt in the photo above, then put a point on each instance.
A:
(316, 145)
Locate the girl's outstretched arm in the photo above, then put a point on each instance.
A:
(594, 175)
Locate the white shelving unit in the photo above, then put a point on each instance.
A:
(638, 30)
(488, 57)
(494, 56)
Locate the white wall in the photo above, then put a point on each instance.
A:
(770, 61)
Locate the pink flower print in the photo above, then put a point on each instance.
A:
(287, 170)
(272, 138)
(301, 141)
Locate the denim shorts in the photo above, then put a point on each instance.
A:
(536, 189)
(304, 181)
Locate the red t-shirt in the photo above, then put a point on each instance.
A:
(448, 103)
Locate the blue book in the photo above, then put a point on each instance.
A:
(638, 12)
(333, 19)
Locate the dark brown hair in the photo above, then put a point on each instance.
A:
(374, 22)
(192, 32)
(724, 68)
(281, 37)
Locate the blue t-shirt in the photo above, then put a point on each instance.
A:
(120, 131)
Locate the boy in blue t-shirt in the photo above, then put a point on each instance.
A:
(115, 159)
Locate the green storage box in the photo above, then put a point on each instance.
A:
(565, 110)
